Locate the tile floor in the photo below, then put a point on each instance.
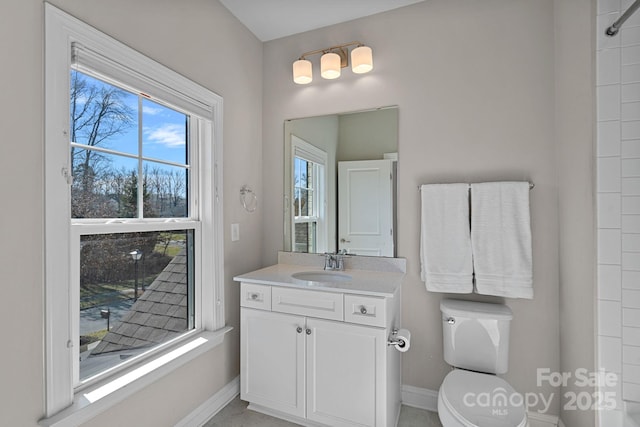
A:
(236, 414)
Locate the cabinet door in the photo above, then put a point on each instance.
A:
(345, 374)
(272, 360)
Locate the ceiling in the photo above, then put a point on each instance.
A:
(272, 19)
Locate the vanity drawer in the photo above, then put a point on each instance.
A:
(255, 296)
(325, 305)
(365, 310)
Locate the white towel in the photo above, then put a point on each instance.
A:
(445, 240)
(501, 239)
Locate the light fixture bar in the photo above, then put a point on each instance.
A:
(329, 49)
(361, 58)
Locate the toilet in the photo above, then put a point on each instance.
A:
(476, 344)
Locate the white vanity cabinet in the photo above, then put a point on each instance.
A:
(319, 356)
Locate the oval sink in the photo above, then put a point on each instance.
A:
(321, 276)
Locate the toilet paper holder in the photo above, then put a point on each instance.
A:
(393, 340)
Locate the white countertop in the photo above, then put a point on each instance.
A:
(363, 282)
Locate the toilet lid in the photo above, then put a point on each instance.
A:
(482, 400)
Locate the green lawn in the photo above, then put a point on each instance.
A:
(104, 293)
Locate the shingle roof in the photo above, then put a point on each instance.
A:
(158, 315)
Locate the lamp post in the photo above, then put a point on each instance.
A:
(106, 314)
(135, 255)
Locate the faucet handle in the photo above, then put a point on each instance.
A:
(329, 261)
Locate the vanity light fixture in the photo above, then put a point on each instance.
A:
(333, 59)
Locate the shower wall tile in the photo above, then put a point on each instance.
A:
(609, 318)
(631, 373)
(609, 170)
(631, 280)
(631, 223)
(630, 298)
(630, 354)
(609, 279)
(629, 149)
(609, 138)
(631, 261)
(630, 186)
(610, 354)
(631, 317)
(630, 242)
(631, 205)
(630, 168)
(629, 36)
(608, 61)
(630, 130)
(608, 6)
(633, 21)
(631, 54)
(608, 102)
(630, 111)
(609, 206)
(631, 73)
(630, 92)
(630, 391)
(609, 245)
(631, 336)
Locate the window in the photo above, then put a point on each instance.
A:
(134, 216)
(309, 205)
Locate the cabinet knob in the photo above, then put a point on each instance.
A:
(254, 296)
(308, 331)
(363, 309)
(299, 329)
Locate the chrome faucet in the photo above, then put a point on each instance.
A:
(334, 261)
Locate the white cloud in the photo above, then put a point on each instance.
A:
(81, 100)
(152, 111)
(170, 135)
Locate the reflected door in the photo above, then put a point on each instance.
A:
(365, 201)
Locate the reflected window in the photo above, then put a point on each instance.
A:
(309, 199)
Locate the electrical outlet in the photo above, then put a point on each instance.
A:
(235, 232)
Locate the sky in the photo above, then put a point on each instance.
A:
(163, 132)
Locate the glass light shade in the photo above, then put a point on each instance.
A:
(330, 65)
(302, 73)
(361, 60)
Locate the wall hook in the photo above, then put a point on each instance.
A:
(248, 198)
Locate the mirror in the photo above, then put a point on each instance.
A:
(339, 186)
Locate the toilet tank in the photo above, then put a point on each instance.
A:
(476, 335)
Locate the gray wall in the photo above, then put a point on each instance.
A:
(475, 86)
(199, 39)
(367, 135)
(575, 121)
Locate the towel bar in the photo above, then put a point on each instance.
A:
(531, 185)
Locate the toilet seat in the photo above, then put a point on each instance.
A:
(481, 400)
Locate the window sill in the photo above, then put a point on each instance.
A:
(89, 403)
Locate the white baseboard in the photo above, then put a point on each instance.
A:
(542, 420)
(423, 398)
(213, 405)
(420, 398)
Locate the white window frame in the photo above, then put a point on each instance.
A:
(304, 150)
(64, 405)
